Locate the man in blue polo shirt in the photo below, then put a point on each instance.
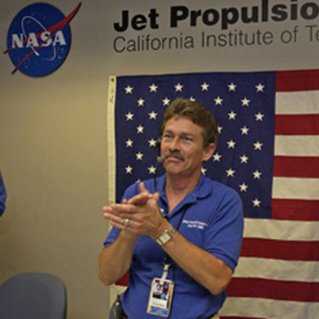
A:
(3, 196)
(179, 236)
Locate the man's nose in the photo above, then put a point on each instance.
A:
(174, 145)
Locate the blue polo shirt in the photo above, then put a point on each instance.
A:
(3, 196)
(212, 220)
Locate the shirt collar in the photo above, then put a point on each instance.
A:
(202, 190)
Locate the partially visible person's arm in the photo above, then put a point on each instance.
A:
(3, 196)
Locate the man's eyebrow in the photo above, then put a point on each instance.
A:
(188, 133)
(183, 134)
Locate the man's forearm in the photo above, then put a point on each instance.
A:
(209, 271)
(115, 260)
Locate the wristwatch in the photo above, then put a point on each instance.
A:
(165, 236)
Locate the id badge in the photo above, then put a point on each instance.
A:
(160, 300)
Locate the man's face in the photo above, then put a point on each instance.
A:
(182, 147)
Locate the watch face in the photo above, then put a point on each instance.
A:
(165, 237)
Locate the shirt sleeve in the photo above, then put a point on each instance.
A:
(3, 196)
(224, 236)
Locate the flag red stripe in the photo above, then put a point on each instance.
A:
(124, 281)
(280, 249)
(295, 209)
(304, 80)
(286, 166)
(274, 289)
(297, 124)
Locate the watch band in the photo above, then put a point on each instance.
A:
(165, 236)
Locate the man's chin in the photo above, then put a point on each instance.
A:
(173, 168)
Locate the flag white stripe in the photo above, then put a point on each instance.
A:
(296, 145)
(111, 140)
(281, 230)
(295, 188)
(303, 102)
(277, 269)
(267, 308)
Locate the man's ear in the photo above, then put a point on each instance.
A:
(209, 151)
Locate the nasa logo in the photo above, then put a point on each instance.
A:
(39, 39)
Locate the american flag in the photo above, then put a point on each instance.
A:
(268, 150)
